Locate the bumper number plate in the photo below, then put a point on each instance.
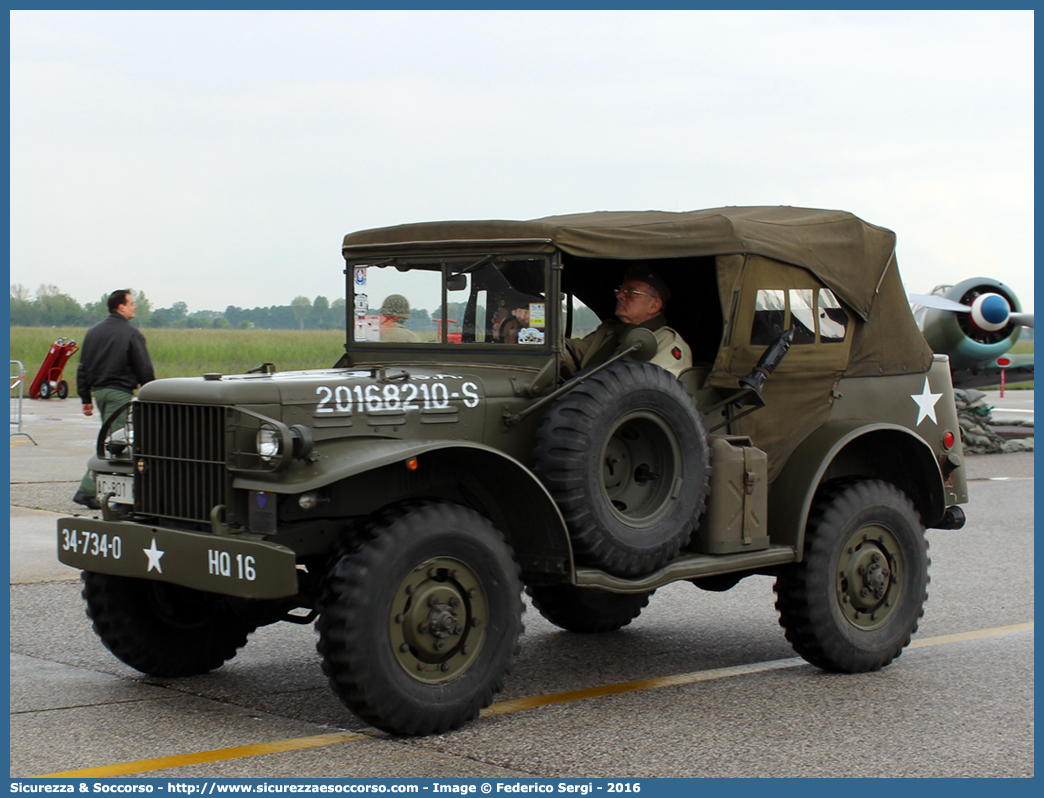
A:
(121, 488)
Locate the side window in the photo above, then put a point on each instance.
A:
(806, 310)
(803, 315)
(833, 321)
(770, 312)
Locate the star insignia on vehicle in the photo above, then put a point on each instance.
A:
(154, 555)
(926, 404)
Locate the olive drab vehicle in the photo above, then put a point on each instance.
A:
(455, 455)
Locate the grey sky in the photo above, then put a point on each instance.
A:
(218, 158)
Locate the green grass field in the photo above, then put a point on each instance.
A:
(189, 353)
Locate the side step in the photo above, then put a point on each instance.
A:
(688, 566)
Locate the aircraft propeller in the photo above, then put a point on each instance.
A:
(989, 312)
(975, 323)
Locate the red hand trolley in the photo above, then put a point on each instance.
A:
(48, 380)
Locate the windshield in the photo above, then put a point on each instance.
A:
(495, 300)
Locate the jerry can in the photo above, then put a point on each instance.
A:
(736, 515)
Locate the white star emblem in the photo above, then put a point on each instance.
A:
(154, 555)
(926, 404)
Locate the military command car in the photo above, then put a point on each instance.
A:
(403, 497)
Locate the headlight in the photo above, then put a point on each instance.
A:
(118, 442)
(269, 443)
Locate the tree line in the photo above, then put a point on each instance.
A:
(49, 307)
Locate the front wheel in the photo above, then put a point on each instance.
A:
(162, 629)
(855, 600)
(421, 618)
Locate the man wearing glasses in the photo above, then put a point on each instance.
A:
(639, 303)
(640, 299)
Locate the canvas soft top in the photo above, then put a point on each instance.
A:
(740, 250)
(847, 254)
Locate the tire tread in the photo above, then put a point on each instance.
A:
(805, 613)
(344, 643)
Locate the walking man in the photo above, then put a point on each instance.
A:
(113, 362)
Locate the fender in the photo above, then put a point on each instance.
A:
(900, 457)
(338, 459)
(494, 483)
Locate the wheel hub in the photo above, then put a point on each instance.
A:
(869, 577)
(437, 623)
(639, 468)
(442, 621)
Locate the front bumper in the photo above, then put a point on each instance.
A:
(231, 566)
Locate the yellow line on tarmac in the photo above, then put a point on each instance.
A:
(718, 673)
(642, 684)
(503, 708)
(218, 755)
(996, 631)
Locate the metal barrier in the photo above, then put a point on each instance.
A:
(18, 383)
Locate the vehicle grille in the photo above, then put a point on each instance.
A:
(180, 451)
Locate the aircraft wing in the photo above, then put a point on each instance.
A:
(1016, 368)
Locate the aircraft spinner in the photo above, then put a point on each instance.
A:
(976, 323)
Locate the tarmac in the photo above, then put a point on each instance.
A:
(48, 459)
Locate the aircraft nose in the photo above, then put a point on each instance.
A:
(990, 312)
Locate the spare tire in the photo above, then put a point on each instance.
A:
(625, 457)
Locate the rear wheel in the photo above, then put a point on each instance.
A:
(855, 600)
(583, 609)
(163, 629)
(421, 618)
(63, 389)
(45, 389)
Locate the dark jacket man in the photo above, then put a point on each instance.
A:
(113, 355)
(113, 362)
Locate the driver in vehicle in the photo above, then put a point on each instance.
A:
(640, 300)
